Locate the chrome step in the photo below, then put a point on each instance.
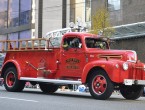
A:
(56, 81)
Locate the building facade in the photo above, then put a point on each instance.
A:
(21, 19)
(121, 11)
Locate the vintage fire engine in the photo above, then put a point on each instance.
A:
(80, 58)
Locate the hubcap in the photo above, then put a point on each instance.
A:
(99, 84)
(10, 79)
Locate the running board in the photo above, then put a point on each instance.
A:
(56, 81)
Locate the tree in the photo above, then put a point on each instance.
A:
(101, 23)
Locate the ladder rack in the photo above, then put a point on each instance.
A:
(24, 45)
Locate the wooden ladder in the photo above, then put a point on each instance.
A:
(23, 45)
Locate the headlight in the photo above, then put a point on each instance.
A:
(125, 66)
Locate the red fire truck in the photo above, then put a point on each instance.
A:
(80, 58)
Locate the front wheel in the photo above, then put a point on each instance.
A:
(11, 81)
(131, 92)
(100, 86)
(48, 88)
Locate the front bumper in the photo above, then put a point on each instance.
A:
(134, 82)
(138, 74)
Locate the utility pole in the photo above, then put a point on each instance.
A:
(40, 16)
(64, 11)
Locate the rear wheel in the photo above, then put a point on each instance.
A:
(100, 86)
(131, 92)
(48, 88)
(11, 81)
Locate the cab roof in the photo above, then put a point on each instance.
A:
(85, 35)
(80, 34)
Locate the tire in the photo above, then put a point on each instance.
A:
(48, 88)
(131, 92)
(100, 86)
(11, 81)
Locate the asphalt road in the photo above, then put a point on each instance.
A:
(34, 99)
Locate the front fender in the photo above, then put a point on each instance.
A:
(108, 66)
(11, 63)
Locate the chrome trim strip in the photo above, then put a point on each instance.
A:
(133, 81)
(133, 61)
(57, 81)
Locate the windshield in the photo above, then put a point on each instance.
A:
(96, 43)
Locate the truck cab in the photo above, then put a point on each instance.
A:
(75, 52)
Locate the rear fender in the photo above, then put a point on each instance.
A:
(11, 63)
(107, 66)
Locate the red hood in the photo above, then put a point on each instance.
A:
(119, 54)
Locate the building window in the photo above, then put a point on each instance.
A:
(25, 12)
(12, 37)
(3, 13)
(72, 10)
(13, 13)
(113, 5)
(25, 34)
(80, 10)
(88, 10)
(2, 38)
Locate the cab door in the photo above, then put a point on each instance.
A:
(72, 59)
